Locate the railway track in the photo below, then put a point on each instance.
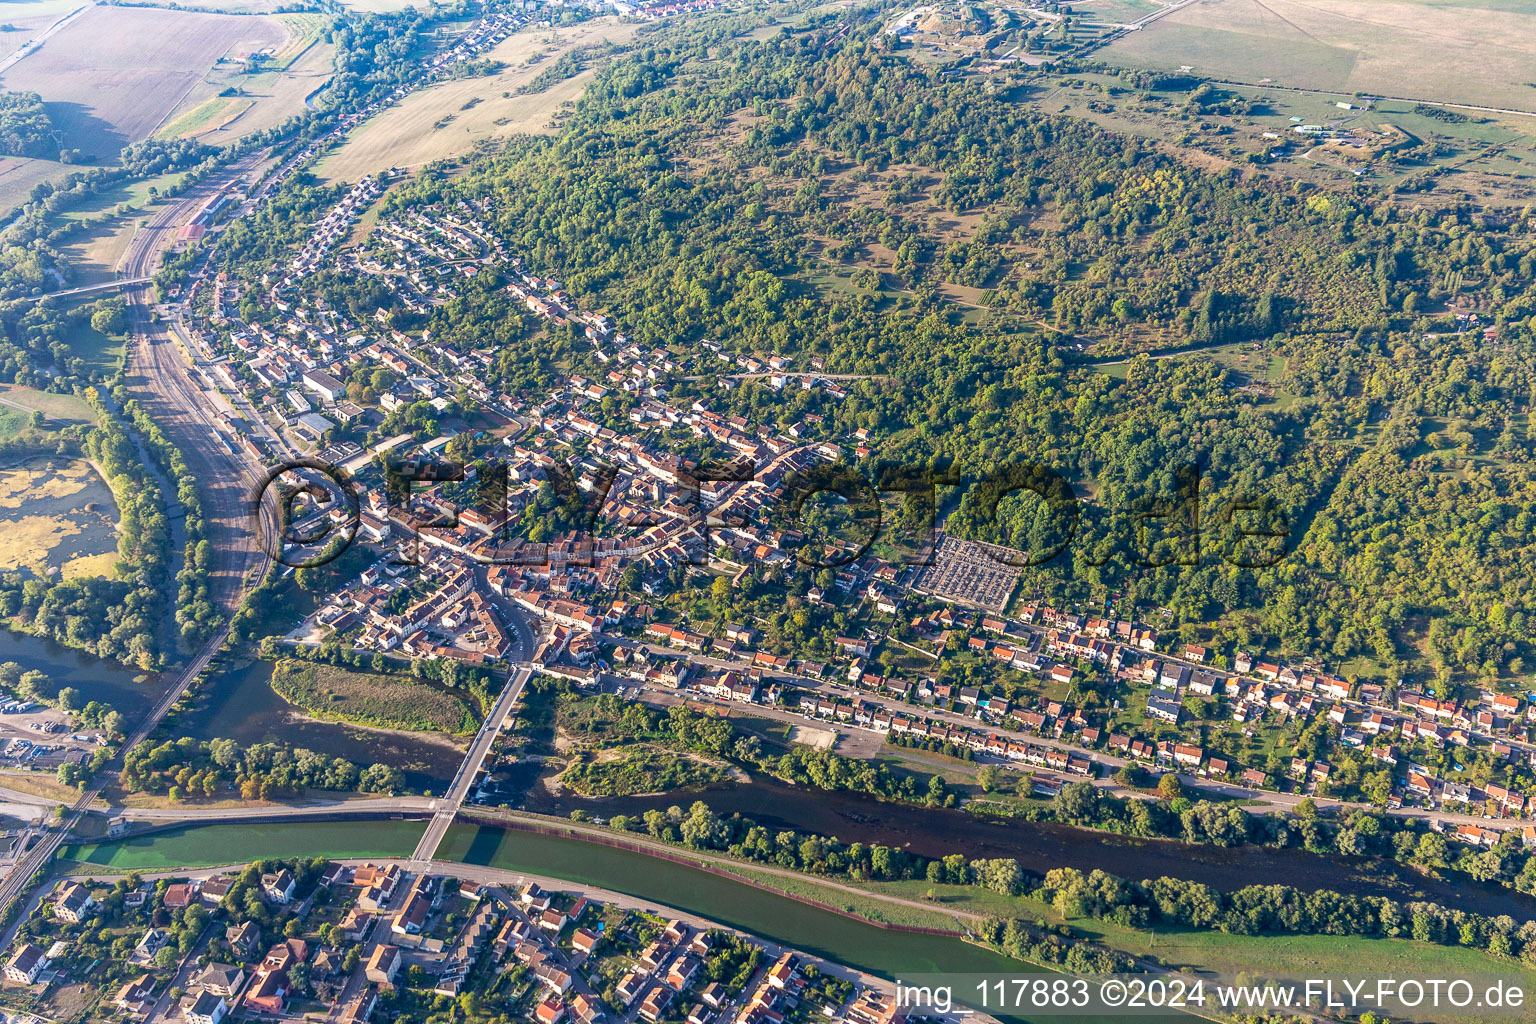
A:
(161, 379)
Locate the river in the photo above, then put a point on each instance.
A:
(1040, 846)
(239, 703)
(880, 951)
(125, 688)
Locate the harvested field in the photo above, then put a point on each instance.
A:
(451, 119)
(115, 74)
(18, 175)
(24, 20)
(1462, 51)
(265, 99)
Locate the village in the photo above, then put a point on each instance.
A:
(483, 554)
(358, 941)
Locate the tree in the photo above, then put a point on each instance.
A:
(990, 777)
(110, 316)
(1169, 787)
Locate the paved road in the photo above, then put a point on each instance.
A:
(89, 289)
(449, 805)
(32, 45)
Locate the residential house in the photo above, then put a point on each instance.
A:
(25, 965)
(207, 1008)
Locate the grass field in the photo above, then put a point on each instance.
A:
(368, 698)
(40, 784)
(101, 352)
(208, 117)
(1113, 11)
(449, 120)
(12, 422)
(65, 408)
(1464, 51)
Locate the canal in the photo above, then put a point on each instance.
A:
(822, 932)
(213, 845)
(878, 950)
(1041, 846)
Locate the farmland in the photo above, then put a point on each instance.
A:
(1464, 51)
(450, 120)
(116, 75)
(25, 20)
(18, 176)
(370, 698)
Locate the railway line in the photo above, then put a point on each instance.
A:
(161, 380)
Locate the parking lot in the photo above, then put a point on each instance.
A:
(42, 737)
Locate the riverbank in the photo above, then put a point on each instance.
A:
(1041, 846)
(748, 902)
(237, 702)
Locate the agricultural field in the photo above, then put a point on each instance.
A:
(451, 119)
(116, 75)
(1455, 51)
(370, 698)
(18, 176)
(265, 99)
(23, 21)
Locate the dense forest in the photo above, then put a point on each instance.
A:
(25, 128)
(189, 769)
(978, 262)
